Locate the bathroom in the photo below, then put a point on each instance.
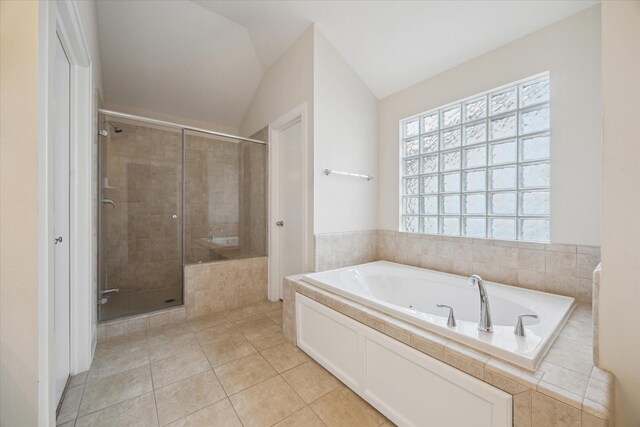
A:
(319, 213)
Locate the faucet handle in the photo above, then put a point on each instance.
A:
(519, 329)
(451, 320)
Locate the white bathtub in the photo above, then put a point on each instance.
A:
(411, 294)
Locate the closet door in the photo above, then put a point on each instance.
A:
(61, 116)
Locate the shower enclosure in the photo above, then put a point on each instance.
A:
(169, 196)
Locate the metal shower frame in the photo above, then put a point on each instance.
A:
(182, 128)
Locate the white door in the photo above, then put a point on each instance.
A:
(288, 220)
(61, 134)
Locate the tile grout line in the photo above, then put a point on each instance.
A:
(221, 386)
(153, 387)
(278, 374)
(220, 382)
(79, 404)
(186, 378)
(122, 401)
(319, 397)
(115, 404)
(265, 380)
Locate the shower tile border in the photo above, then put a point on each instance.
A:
(140, 322)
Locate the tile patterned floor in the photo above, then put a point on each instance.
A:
(227, 369)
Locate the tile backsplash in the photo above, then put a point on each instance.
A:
(556, 268)
(335, 250)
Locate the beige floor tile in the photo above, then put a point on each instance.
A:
(303, 418)
(208, 321)
(242, 312)
(123, 340)
(111, 360)
(171, 330)
(184, 397)
(243, 373)
(78, 379)
(220, 414)
(342, 407)
(266, 403)
(246, 311)
(253, 323)
(139, 412)
(215, 333)
(70, 404)
(265, 337)
(267, 305)
(180, 365)
(284, 356)
(275, 315)
(162, 347)
(115, 389)
(310, 380)
(227, 348)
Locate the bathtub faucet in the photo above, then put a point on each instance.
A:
(485, 324)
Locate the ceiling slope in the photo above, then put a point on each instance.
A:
(177, 58)
(392, 45)
(204, 59)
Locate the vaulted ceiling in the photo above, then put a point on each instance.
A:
(204, 59)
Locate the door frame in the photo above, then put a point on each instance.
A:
(61, 19)
(297, 115)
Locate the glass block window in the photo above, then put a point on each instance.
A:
(480, 167)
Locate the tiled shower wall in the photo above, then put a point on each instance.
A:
(222, 285)
(212, 186)
(560, 269)
(253, 194)
(141, 249)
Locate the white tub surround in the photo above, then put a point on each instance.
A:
(565, 389)
(406, 385)
(411, 294)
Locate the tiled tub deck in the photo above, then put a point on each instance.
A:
(565, 390)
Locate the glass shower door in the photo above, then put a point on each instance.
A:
(140, 218)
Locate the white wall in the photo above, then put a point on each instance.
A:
(345, 114)
(570, 51)
(287, 84)
(619, 287)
